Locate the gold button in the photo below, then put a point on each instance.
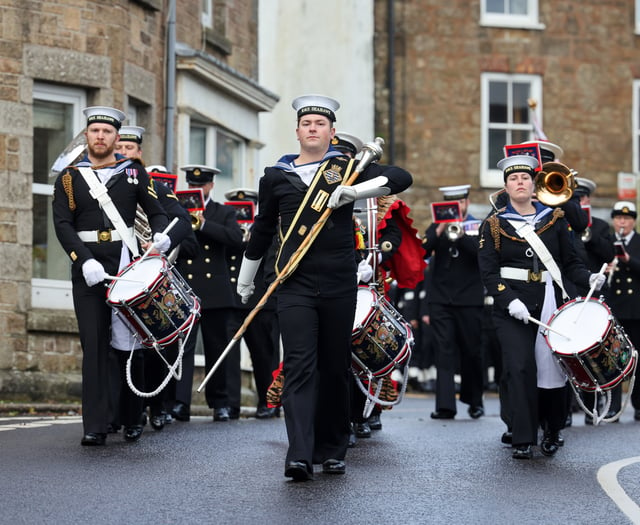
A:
(208, 276)
(618, 292)
(189, 261)
(190, 276)
(206, 246)
(232, 268)
(628, 279)
(629, 291)
(233, 257)
(207, 260)
(233, 279)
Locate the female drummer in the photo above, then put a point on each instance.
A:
(532, 390)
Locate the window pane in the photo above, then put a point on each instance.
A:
(497, 139)
(53, 130)
(518, 7)
(498, 102)
(227, 155)
(520, 135)
(197, 146)
(521, 94)
(495, 6)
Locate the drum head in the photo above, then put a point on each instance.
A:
(141, 275)
(584, 328)
(365, 300)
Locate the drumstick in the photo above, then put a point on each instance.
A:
(591, 290)
(540, 323)
(116, 278)
(166, 230)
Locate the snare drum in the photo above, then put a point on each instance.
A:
(596, 352)
(154, 301)
(381, 338)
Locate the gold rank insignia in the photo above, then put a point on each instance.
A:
(73, 256)
(481, 242)
(501, 287)
(333, 175)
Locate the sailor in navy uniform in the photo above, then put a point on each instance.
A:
(456, 302)
(217, 231)
(261, 336)
(624, 288)
(96, 250)
(316, 303)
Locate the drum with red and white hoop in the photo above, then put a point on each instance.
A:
(154, 301)
(590, 345)
(381, 338)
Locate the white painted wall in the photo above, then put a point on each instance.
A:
(313, 46)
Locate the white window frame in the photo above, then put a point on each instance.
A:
(528, 21)
(206, 15)
(225, 183)
(491, 177)
(635, 127)
(54, 293)
(637, 16)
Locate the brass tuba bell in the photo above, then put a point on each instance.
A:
(554, 184)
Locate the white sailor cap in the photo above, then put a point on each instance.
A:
(242, 194)
(624, 208)
(518, 163)
(105, 115)
(346, 143)
(584, 186)
(549, 152)
(316, 105)
(455, 193)
(199, 174)
(131, 134)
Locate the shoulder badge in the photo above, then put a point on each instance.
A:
(333, 175)
(501, 287)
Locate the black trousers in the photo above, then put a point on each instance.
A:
(130, 405)
(457, 332)
(94, 325)
(316, 335)
(524, 407)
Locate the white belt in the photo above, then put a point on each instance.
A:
(520, 274)
(107, 235)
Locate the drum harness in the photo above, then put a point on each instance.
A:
(526, 231)
(100, 193)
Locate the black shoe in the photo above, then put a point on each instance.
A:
(298, 470)
(334, 466)
(221, 414)
(181, 412)
(157, 421)
(549, 445)
(234, 413)
(132, 433)
(443, 414)
(264, 412)
(374, 422)
(168, 418)
(144, 418)
(522, 452)
(93, 439)
(507, 437)
(476, 412)
(363, 430)
(636, 415)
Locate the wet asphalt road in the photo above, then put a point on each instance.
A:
(415, 470)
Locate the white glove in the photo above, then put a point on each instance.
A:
(161, 241)
(371, 188)
(93, 272)
(246, 276)
(365, 271)
(518, 310)
(598, 279)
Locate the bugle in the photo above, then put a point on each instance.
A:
(554, 184)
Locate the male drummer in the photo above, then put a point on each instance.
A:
(99, 239)
(624, 289)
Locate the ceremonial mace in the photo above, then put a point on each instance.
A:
(371, 151)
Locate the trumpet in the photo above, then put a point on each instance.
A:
(454, 231)
(196, 220)
(555, 184)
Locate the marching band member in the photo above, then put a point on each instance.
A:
(316, 303)
(456, 302)
(513, 243)
(95, 228)
(624, 289)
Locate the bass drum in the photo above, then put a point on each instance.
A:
(381, 338)
(593, 350)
